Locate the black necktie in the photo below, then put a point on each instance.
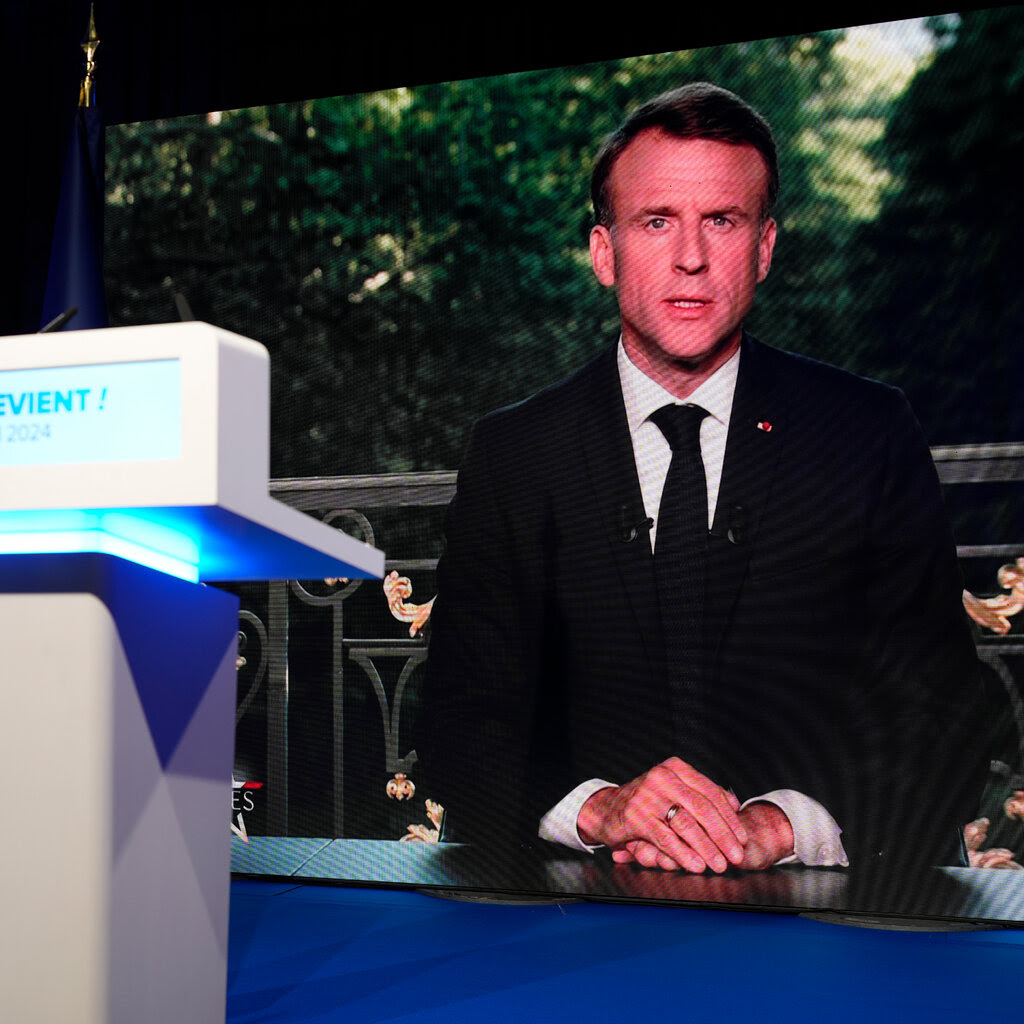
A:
(680, 555)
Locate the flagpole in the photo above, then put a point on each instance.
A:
(90, 44)
(74, 277)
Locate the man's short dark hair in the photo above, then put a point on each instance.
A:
(699, 110)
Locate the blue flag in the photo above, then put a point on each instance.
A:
(75, 274)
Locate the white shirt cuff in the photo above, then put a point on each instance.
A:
(559, 824)
(816, 836)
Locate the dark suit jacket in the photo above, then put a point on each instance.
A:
(837, 657)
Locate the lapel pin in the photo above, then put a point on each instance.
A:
(765, 426)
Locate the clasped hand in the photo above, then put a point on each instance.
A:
(707, 830)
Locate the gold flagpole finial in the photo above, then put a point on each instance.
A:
(90, 44)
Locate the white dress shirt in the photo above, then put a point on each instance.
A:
(816, 835)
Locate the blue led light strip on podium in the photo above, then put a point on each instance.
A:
(129, 536)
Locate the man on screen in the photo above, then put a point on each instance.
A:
(699, 603)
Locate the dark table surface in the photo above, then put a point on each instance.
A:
(938, 893)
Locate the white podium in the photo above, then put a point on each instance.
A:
(133, 466)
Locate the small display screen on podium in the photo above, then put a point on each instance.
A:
(107, 412)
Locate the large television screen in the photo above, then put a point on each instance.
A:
(418, 257)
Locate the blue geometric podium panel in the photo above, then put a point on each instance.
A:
(119, 688)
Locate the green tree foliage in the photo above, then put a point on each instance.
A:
(939, 273)
(416, 257)
(835, 185)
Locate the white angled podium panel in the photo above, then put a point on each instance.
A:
(116, 739)
(133, 463)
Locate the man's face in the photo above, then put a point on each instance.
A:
(685, 251)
